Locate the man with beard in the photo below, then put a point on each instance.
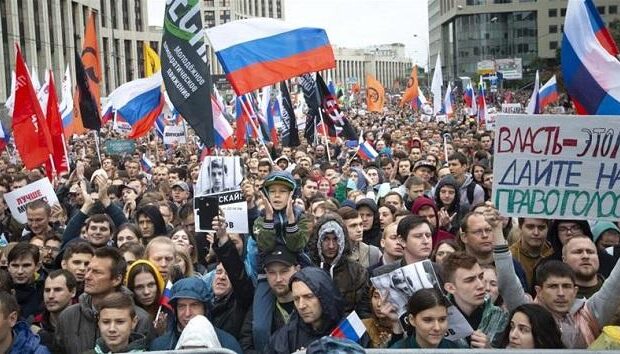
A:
(274, 308)
(581, 256)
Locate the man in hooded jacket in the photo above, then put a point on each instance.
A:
(329, 249)
(372, 235)
(192, 290)
(319, 306)
(150, 222)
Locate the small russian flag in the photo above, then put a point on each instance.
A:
(351, 328)
(164, 300)
(367, 152)
(147, 165)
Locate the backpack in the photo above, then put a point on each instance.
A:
(471, 189)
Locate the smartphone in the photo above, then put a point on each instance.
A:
(207, 207)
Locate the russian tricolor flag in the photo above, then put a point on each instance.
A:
(367, 152)
(548, 93)
(470, 99)
(482, 103)
(223, 130)
(139, 103)
(351, 328)
(147, 164)
(164, 299)
(258, 52)
(533, 107)
(590, 66)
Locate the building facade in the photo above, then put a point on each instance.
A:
(387, 63)
(50, 31)
(466, 32)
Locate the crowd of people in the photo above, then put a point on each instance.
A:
(90, 274)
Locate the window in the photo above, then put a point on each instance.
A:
(553, 12)
(600, 9)
(553, 29)
(553, 45)
(563, 12)
(613, 9)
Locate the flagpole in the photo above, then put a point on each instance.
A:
(158, 313)
(64, 148)
(258, 132)
(329, 158)
(54, 172)
(96, 133)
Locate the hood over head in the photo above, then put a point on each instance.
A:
(422, 202)
(448, 181)
(323, 287)
(199, 333)
(158, 278)
(553, 237)
(152, 212)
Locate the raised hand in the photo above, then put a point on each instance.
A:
(290, 211)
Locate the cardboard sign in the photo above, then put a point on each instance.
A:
(174, 134)
(398, 286)
(232, 204)
(559, 167)
(18, 199)
(120, 146)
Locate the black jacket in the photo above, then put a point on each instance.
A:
(229, 312)
(297, 334)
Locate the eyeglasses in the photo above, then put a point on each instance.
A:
(574, 229)
(480, 232)
(50, 249)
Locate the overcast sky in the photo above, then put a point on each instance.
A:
(353, 23)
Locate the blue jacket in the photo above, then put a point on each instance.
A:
(190, 288)
(26, 342)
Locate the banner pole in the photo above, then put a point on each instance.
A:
(329, 159)
(258, 132)
(96, 133)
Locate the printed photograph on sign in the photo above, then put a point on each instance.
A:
(219, 174)
(397, 287)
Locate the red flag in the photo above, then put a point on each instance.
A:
(54, 123)
(32, 136)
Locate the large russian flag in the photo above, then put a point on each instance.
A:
(590, 67)
(261, 51)
(548, 93)
(139, 103)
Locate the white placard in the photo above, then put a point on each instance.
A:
(514, 108)
(398, 286)
(18, 199)
(235, 210)
(560, 167)
(174, 134)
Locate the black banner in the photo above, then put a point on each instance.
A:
(331, 111)
(290, 133)
(308, 87)
(185, 68)
(88, 109)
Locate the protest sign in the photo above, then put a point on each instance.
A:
(219, 174)
(120, 146)
(557, 167)
(512, 108)
(232, 204)
(174, 134)
(18, 199)
(398, 286)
